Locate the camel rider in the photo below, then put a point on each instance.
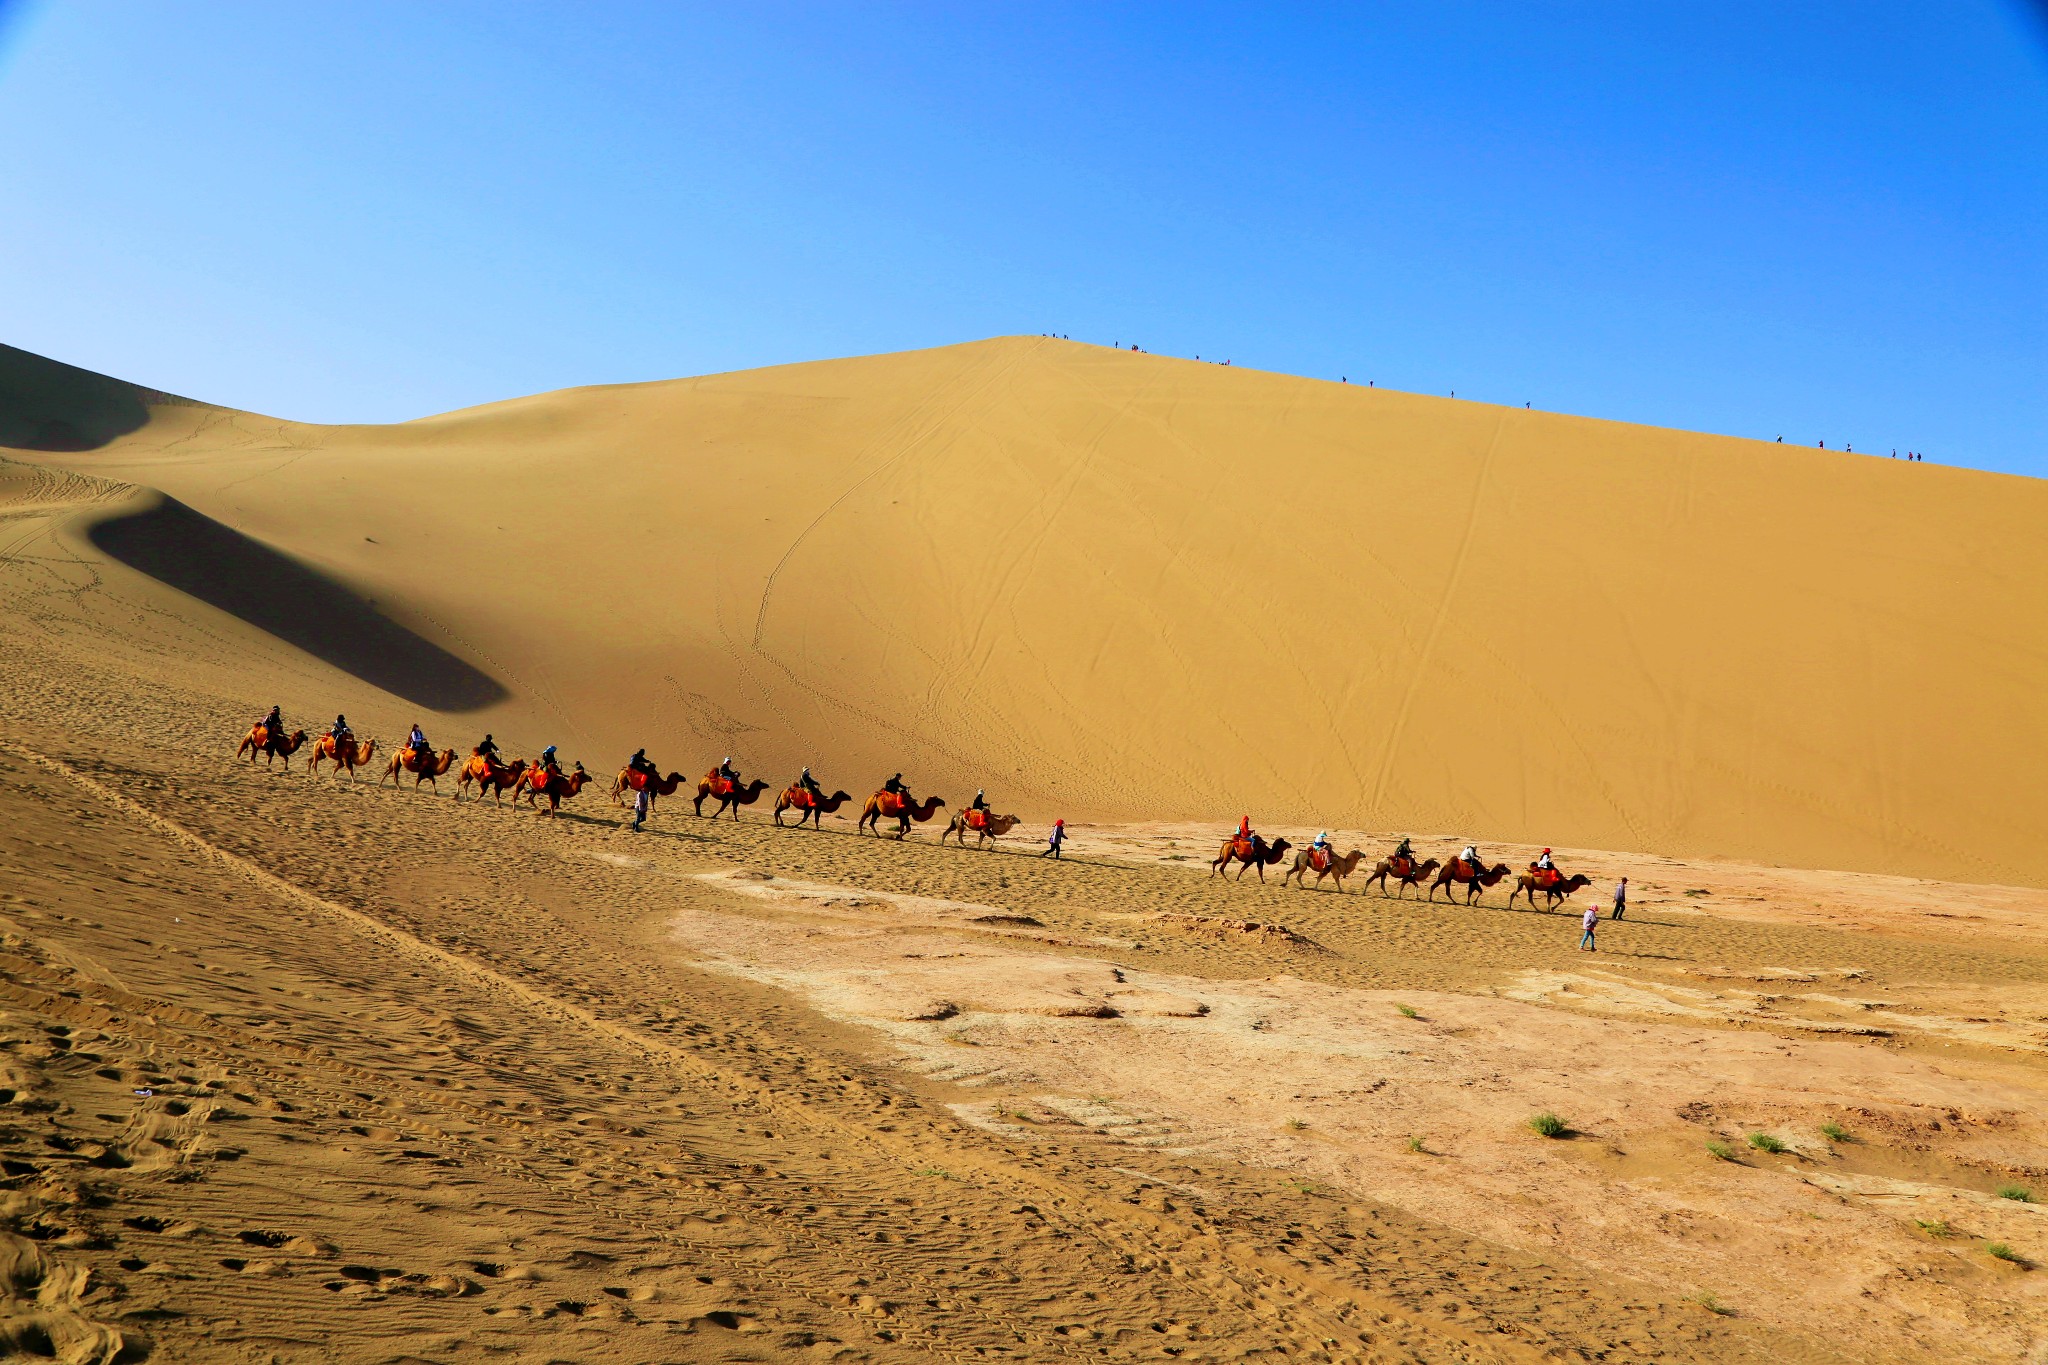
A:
(1245, 834)
(980, 801)
(1406, 850)
(727, 771)
(895, 786)
(417, 741)
(810, 784)
(339, 731)
(548, 763)
(1319, 850)
(1543, 863)
(1470, 856)
(489, 749)
(274, 723)
(640, 763)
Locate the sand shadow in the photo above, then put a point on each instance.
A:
(282, 597)
(48, 405)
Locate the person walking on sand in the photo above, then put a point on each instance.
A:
(1620, 897)
(643, 802)
(1054, 840)
(1592, 922)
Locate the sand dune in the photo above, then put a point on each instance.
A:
(1129, 586)
(299, 1069)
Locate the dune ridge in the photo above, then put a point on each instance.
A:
(1128, 586)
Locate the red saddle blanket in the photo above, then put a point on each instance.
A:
(1402, 867)
(800, 798)
(719, 786)
(977, 819)
(1545, 877)
(1243, 849)
(1319, 860)
(889, 803)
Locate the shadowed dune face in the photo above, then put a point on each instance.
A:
(282, 597)
(48, 405)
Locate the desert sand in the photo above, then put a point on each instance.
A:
(300, 1068)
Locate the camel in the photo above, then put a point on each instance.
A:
(556, 787)
(896, 806)
(346, 755)
(1406, 872)
(1333, 866)
(490, 776)
(1528, 885)
(1260, 855)
(1458, 872)
(423, 767)
(990, 828)
(630, 780)
(261, 740)
(729, 795)
(808, 807)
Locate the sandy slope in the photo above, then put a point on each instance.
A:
(300, 1070)
(1133, 587)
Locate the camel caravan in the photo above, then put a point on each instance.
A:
(640, 784)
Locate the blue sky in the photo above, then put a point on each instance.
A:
(1821, 221)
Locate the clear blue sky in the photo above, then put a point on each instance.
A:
(1821, 221)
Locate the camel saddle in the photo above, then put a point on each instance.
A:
(1245, 849)
(891, 803)
(721, 786)
(1319, 859)
(1462, 871)
(800, 798)
(1401, 867)
(977, 819)
(411, 757)
(1545, 877)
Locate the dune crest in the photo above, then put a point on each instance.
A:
(1135, 587)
